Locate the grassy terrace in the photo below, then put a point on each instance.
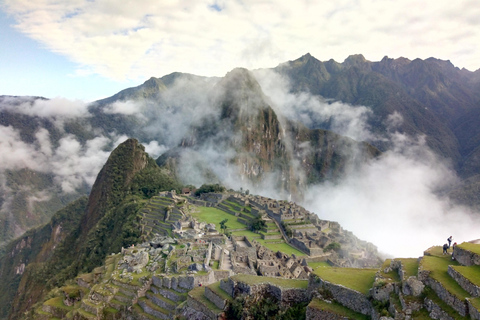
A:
(57, 302)
(438, 264)
(214, 215)
(280, 282)
(410, 265)
(320, 264)
(429, 293)
(475, 302)
(475, 248)
(282, 247)
(360, 280)
(337, 308)
(198, 294)
(215, 287)
(472, 273)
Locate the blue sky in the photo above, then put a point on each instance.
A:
(30, 69)
(80, 49)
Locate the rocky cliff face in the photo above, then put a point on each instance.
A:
(256, 144)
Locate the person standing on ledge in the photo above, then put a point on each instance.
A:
(449, 241)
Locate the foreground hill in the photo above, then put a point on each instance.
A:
(80, 236)
(124, 208)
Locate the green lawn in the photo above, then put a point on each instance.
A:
(214, 215)
(360, 280)
(282, 247)
(438, 267)
(336, 308)
(284, 283)
(321, 264)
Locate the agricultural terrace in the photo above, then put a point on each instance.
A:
(360, 280)
(214, 215)
(437, 264)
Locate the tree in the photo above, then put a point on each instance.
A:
(223, 225)
(258, 224)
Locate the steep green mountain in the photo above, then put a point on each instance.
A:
(80, 236)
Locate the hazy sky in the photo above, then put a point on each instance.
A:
(85, 49)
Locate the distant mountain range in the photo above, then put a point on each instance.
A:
(276, 130)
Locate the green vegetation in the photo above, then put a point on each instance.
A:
(284, 283)
(223, 225)
(206, 188)
(475, 303)
(320, 264)
(214, 215)
(391, 276)
(360, 280)
(410, 265)
(282, 247)
(336, 308)
(438, 267)
(475, 248)
(334, 246)
(257, 224)
(472, 273)
(429, 293)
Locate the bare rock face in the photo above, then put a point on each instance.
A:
(413, 287)
(134, 262)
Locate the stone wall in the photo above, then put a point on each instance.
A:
(200, 307)
(466, 258)
(435, 312)
(228, 286)
(459, 305)
(464, 282)
(213, 297)
(151, 311)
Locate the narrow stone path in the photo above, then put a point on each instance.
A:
(227, 261)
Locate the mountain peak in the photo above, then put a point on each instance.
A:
(113, 180)
(355, 60)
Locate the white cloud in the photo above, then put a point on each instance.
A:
(60, 108)
(395, 203)
(122, 39)
(123, 107)
(313, 111)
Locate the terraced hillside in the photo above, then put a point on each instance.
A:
(158, 215)
(434, 286)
